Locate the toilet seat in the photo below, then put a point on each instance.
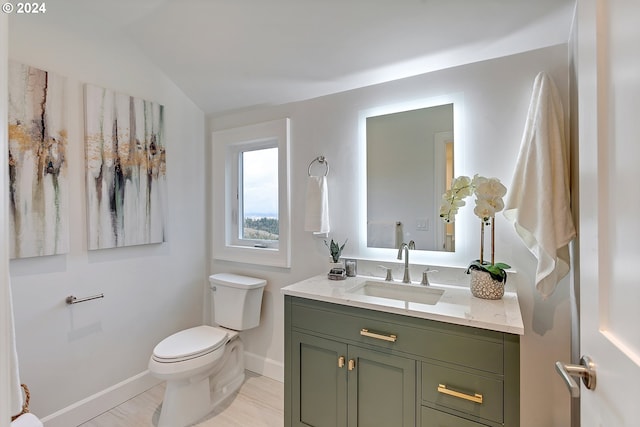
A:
(190, 344)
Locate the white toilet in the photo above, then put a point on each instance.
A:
(205, 364)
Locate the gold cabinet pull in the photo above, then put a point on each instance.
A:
(352, 364)
(391, 337)
(341, 362)
(476, 398)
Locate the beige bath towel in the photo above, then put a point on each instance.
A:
(538, 202)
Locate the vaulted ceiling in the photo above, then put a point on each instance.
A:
(229, 55)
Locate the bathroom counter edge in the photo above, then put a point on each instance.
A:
(456, 306)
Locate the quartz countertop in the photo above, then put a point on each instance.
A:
(456, 305)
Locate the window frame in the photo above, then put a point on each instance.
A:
(226, 144)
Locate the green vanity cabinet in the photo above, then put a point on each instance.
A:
(345, 385)
(349, 366)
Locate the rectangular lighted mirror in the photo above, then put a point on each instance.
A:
(408, 153)
(409, 163)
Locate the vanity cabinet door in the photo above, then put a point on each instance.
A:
(382, 389)
(319, 388)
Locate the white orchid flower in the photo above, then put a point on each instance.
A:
(460, 182)
(497, 203)
(489, 193)
(462, 187)
(484, 210)
(490, 188)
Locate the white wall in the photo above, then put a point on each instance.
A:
(496, 97)
(69, 353)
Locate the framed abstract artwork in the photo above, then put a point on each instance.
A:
(38, 193)
(125, 169)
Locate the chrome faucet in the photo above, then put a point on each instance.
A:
(406, 247)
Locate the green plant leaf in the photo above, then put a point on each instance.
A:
(502, 265)
(495, 270)
(335, 249)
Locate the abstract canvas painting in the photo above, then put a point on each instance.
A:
(125, 169)
(38, 193)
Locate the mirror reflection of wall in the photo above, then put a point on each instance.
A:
(449, 228)
(409, 165)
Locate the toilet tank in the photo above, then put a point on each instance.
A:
(236, 300)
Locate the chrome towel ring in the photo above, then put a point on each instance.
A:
(322, 161)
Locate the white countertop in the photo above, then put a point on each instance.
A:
(456, 305)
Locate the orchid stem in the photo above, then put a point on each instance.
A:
(493, 239)
(482, 242)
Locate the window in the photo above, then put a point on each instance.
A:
(251, 194)
(256, 212)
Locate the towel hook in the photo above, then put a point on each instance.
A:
(322, 161)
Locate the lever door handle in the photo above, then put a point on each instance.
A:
(585, 370)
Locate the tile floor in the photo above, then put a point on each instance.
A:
(258, 403)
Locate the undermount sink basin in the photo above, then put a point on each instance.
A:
(397, 291)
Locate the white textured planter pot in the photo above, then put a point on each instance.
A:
(332, 264)
(484, 286)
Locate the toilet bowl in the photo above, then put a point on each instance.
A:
(204, 365)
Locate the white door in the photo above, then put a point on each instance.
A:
(609, 227)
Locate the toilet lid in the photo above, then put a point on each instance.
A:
(190, 343)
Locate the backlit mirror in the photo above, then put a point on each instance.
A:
(409, 164)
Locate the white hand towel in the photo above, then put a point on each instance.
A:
(381, 234)
(399, 235)
(538, 203)
(317, 210)
(15, 392)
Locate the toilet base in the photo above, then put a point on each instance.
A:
(191, 399)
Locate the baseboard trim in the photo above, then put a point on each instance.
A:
(98, 403)
(107, 399)
(261, 365)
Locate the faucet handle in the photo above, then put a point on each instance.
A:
(389, 277)
(425, 277)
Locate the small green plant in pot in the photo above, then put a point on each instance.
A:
(335, 250)
(487, 278)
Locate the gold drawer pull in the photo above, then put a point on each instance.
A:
(391, 337)
(340, 361)
(477, 398)
(352, 364)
